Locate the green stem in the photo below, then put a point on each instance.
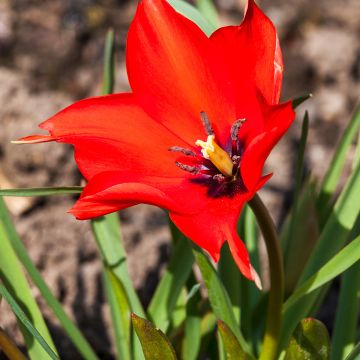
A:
(273, 322)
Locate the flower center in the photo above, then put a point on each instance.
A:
(219, 157)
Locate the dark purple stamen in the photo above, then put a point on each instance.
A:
(206, 122)
(219, 177)
(187, 152)
(234, 132)
(191, 169)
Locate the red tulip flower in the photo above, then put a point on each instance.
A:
(193, 135)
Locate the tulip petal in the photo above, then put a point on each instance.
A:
(115, 190)
(112, 133)
(216, 224)
(279, 118)
(175, 72)
(253, 53)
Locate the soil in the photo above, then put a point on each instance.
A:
(51, 55)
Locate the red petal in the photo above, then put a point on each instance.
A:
(253, 52)
(111, 191)
(176, 73)
(112, 133)
(278, 120)
(216, 224)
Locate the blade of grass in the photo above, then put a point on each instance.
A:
(120, 313)
(20, 314)
(347, 257)
(333, 237)
(108, 238)
(218, 297)
(207, 8)
(13, 277)
(72, 331)
(347, 313)
(193, 14)
(355, 354)
(334, 172)
(109, 63)
(167, 292)
(45, 191)
(192, 338)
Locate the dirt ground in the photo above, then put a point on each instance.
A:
(51, 55)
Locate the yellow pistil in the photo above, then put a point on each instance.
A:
(219, 157)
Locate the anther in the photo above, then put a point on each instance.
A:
(235, 128)
(206, 122)
(191, 169)
(219, 177)
(235, 159)
(187, 152)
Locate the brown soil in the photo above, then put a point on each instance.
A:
(51, 55)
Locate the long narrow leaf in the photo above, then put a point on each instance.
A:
(335, 170)
(207, 8)
(193, 14)
(355, 354)
(347, 312)
(108, 237)
(11, 274)
(9, 348)
(333, 237)
(120, 313)
(218, 296)
(20, 314)
(167, 292)
(45, 191)
(347, 257)
(72, 331)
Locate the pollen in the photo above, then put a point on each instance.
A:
(219, 157)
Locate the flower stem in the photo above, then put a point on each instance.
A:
(269, 349)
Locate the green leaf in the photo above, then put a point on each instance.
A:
(298, 101)
(109, 63)
(218, 297)
(232, 347)
(120, 313)
(72, 331)
(303, 237)
(347, 313)
(192, 338)
(194, 15)
(155, 344)
(334, 172)
(309, 341)
(11, 274)
(207, 8)
(347, 257)
(355, 354)
(332, 238)
(108, 238)
(28, 325)
(45, 191)
(167, 292)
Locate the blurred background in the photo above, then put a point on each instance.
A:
(51, 55)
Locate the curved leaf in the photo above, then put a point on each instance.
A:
(232, 347)
(310, 340)
(155, 344)
(193, 14)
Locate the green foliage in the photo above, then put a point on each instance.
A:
(155, 344)
(310, 341)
